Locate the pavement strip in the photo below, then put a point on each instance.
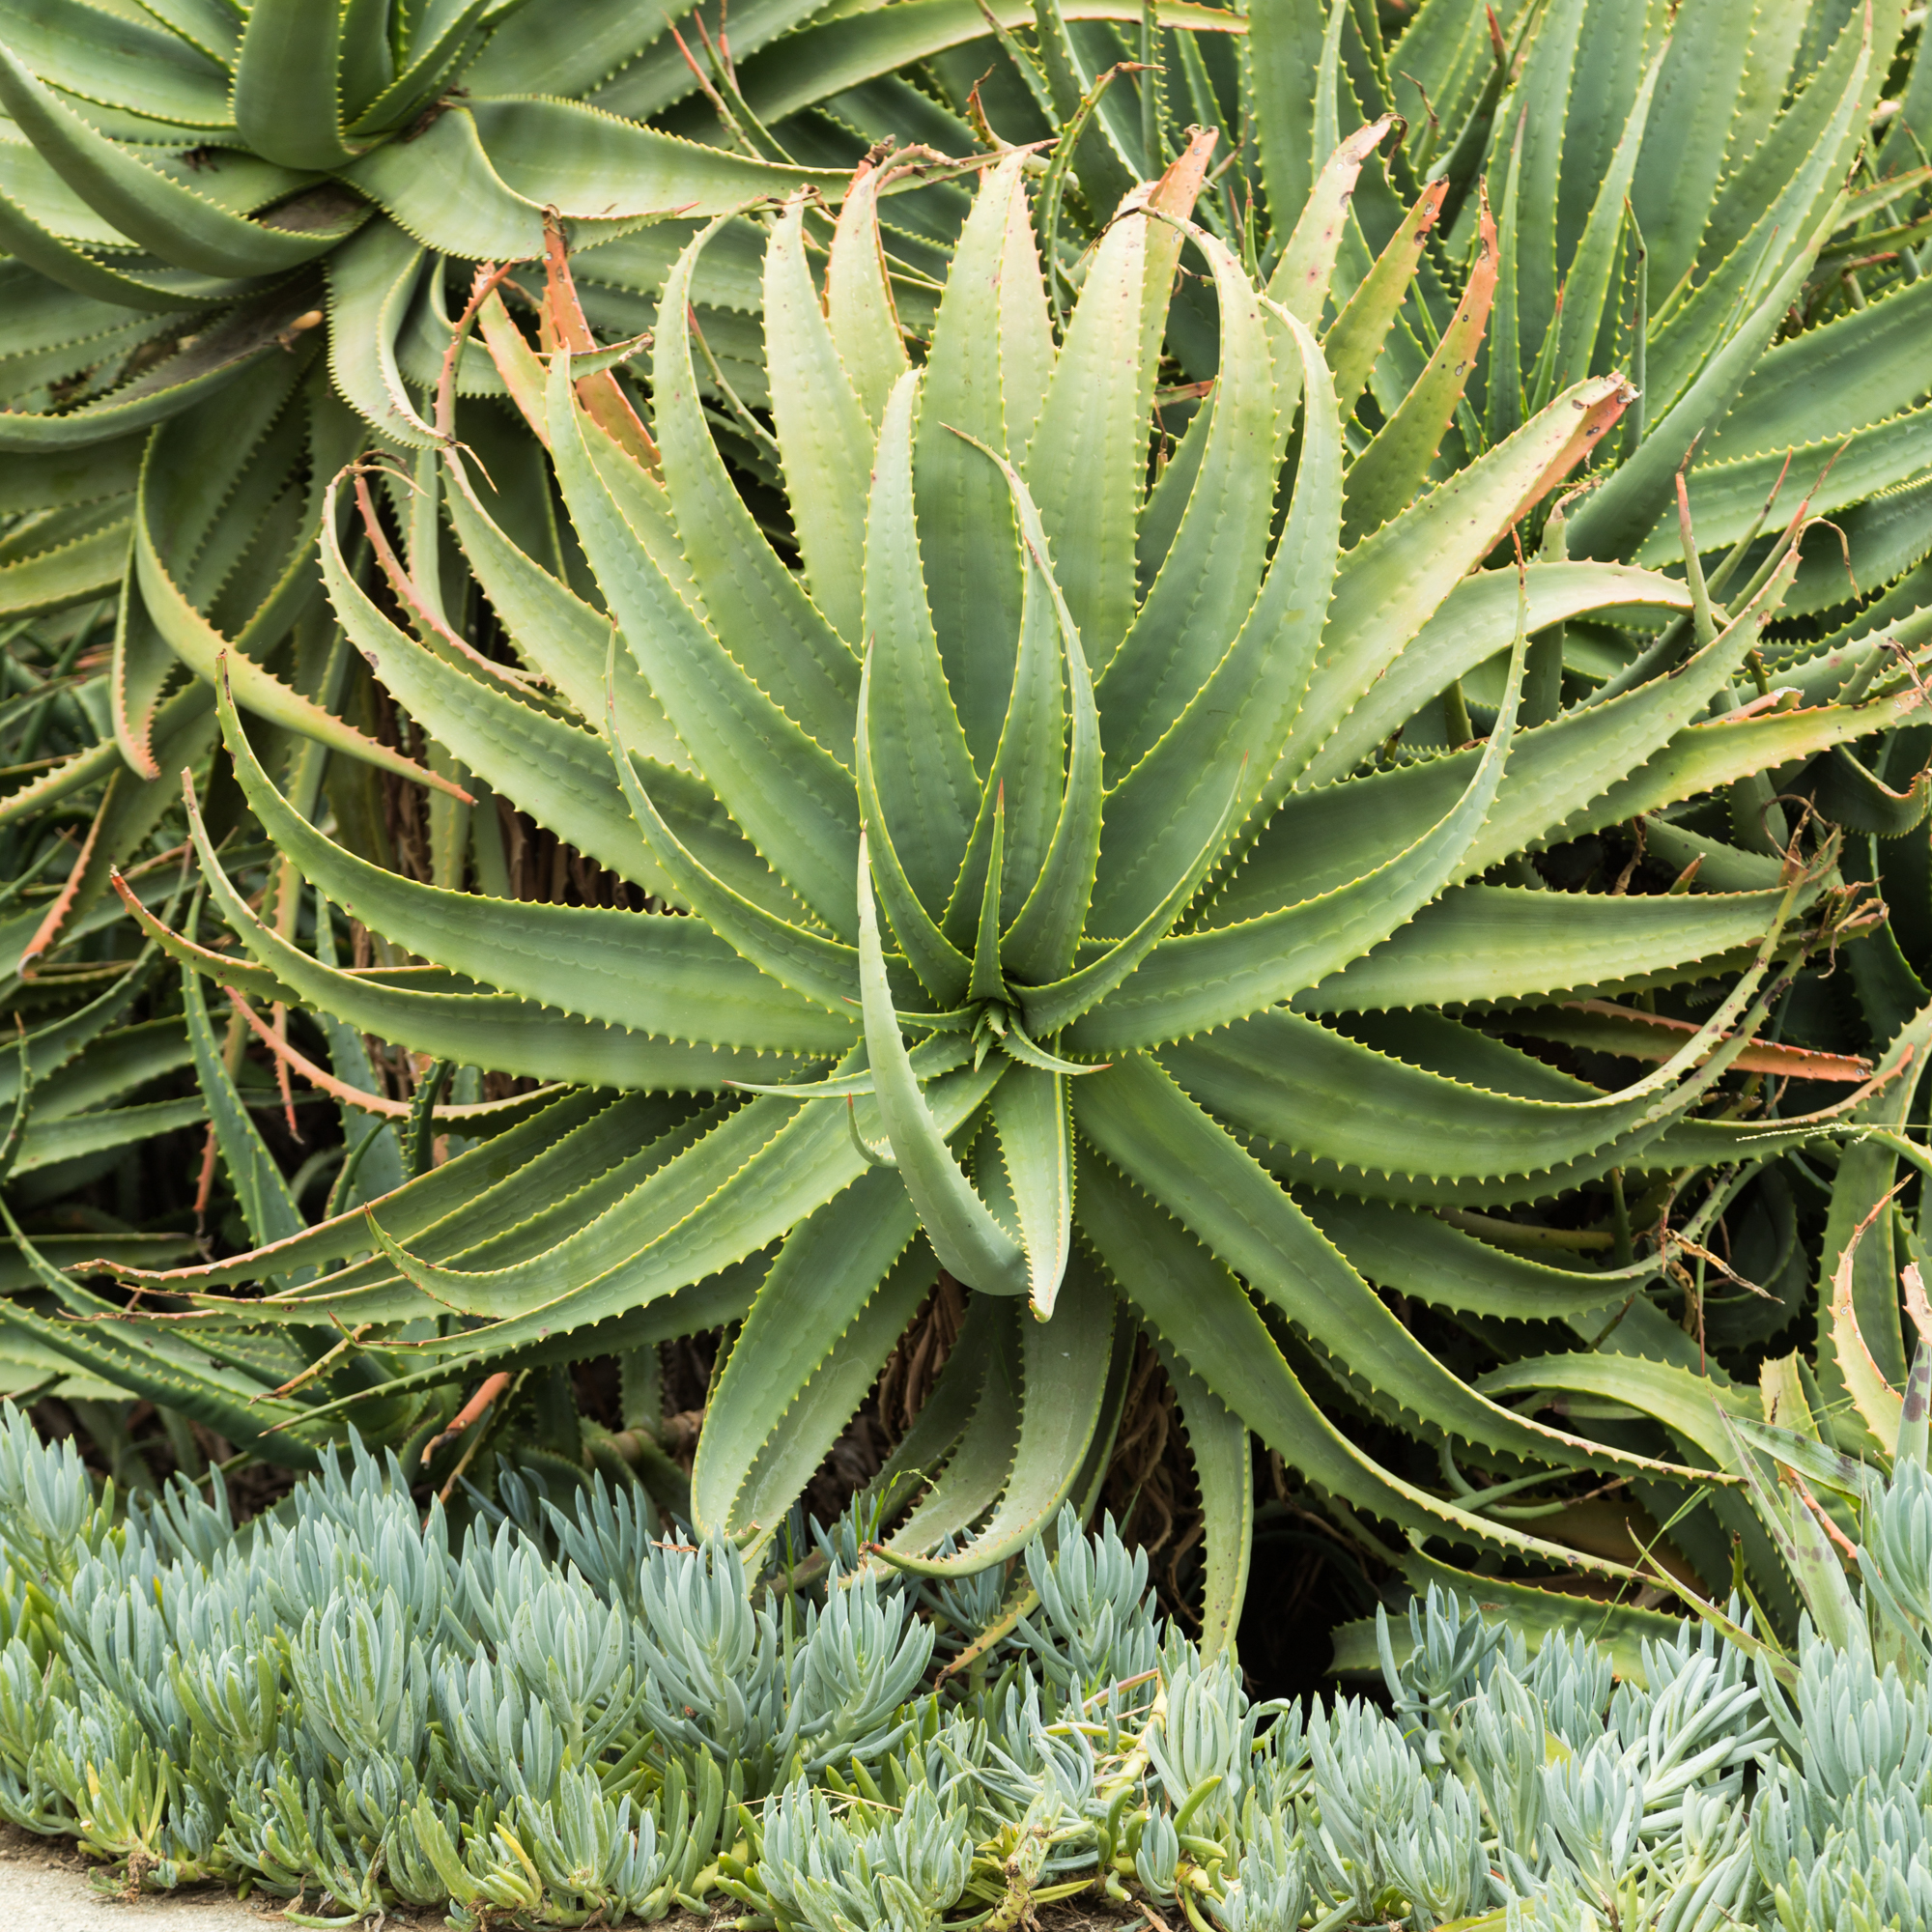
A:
(46, 1886)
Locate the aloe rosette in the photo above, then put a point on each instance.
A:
(1020, 904)
(1252, 875)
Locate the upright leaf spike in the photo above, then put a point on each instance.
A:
(988, 983)
(969, 1242)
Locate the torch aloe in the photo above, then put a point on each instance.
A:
(1080, 872)
(998, 920)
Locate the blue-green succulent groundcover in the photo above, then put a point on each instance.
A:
(575, 1717)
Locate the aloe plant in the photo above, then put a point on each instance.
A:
(1024, 895)
(1104, 843)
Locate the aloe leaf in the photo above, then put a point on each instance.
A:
(1595, 118)
(1065, 1367)
(1690, 1405)
(525, 54)
(1391, 583)
(1201, 1311)
(838, 1385)
(473, 1197)
(1232, 727)
(1857, 1272)
(1727, 497)
(243, 975)
(476, 1028)
(49, 1048)
(1699, 92)
(1190, 981)
(828, 57)
(920, 768)
(195, 640)
(1100, 160)
(935, 1431)
(1801, 1540)
(1481, 943)
(716, 1302)
(1472, 624)
(287, 81)
(986, 984)
(47, 1144)
(659, 74)
(42, 248)
(108, 1068)
(1045, 930)
(1852, 796)
(1300, 279)
(1503, 410)
(1213, 570)
(268, 1210)
(82, 552)
(940, 1054)
(372, 281)
(1800, 127)
(764, 1169)
(1361, 1118)
(563, 638)
(1390, 472)
(982, 1456)
(803, 961)
(475, 184)
(1088, 455)
(1164, 1142)
(756, 604)
(143, 667)
(1548, 87)
(940, 966)
(81, 476)
(636, 1225)
(1325, 836)
(432, 54)
(970, 1243)
(1720, 753)
(544, 764)
(129, 812)
(119, 60)
(1282, 55)
(656, 974)
(991, 357)
(858, 307)
(1224, 1469)
(1612, 519)
(1049, 1008)
(1352, 343)
(158, 1366)
(1877, 1402)
(829, 1271)
(1421, 1255)
(1026, 787)
(1030, 1117)
(208, 362)
(1203, 980)
(592, 1172)
(822, 430)
(154, 210)
(794, 801)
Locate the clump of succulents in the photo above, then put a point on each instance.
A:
(339, 1706)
